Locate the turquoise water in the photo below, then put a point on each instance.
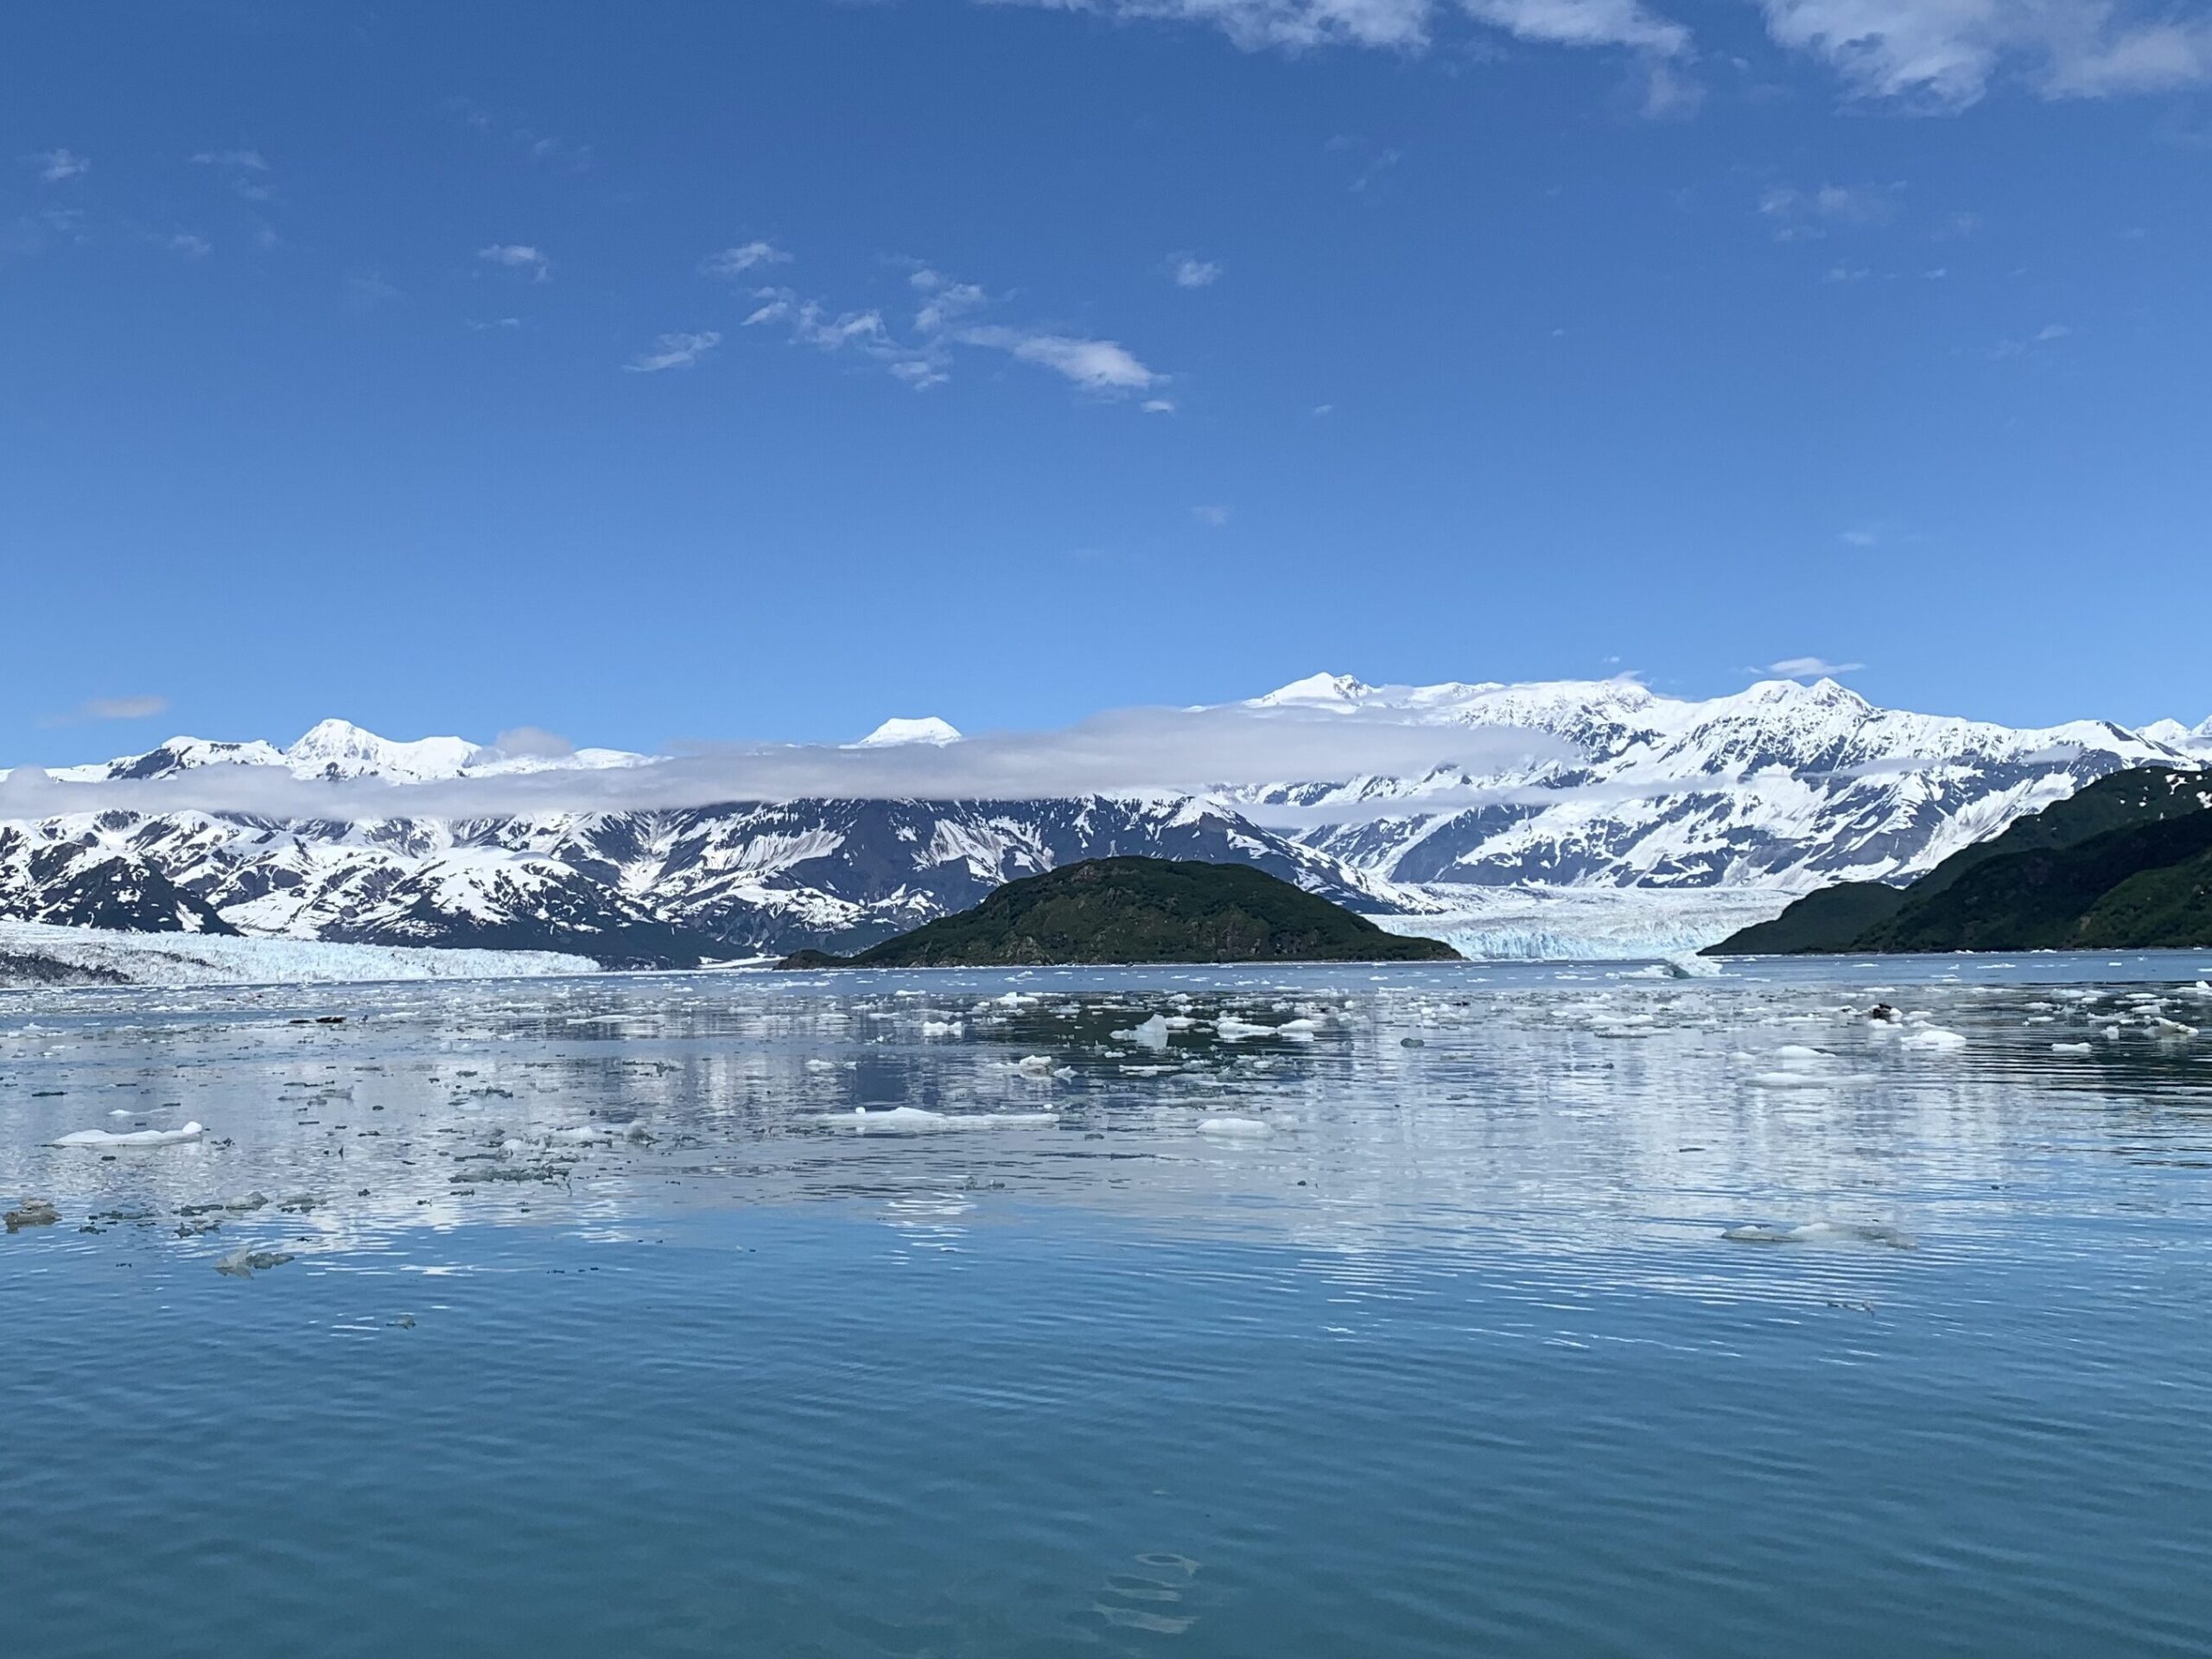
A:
(608, 1330)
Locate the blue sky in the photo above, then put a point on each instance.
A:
(761, 370)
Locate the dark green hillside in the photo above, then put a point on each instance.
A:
(2116, 866)
(1142, 909)
(2044, 898)
(1828, 919)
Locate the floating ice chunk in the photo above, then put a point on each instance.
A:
(1034, 1065)
(909, 1119)
(243, 1264)
(1822, 1232)
(130, 1138)
(942, 1028)
(1933, 1040)
(1240, 1128)
(2073, 1048)
(1153, 1034)
(1231, 1029)
(1799, 1054)
(582, 1134)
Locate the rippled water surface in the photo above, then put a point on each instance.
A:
(1455, 1311)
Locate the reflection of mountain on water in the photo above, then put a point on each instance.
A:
(1586, 1125)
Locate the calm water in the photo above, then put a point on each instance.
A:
(1408, 1324)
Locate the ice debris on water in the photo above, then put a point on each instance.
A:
(1823, 1232)
(32, 1213)
(912, 1118)
(130, 1137)
(1239, 1128)
(245, 1263)
(1935, 1039)
(1153, 1034)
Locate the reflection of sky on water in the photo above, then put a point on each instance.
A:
(1589, 1127)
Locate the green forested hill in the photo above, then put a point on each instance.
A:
(1139, 910)
(2122, 865)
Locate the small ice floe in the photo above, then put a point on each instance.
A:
(1800, 1054)
(240, 1205)
(1241, 1128)
(130, 1137)
(942, 1027)
(32, 1213)
(1883, 1014)
(2073, 1048)
(911, 1119)
(1153, 1034)
(1933, 1040)
(1231, 1029)
(1822, 1232)
(1034, 1065)
(243, 1264)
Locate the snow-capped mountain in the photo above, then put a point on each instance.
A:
(1745, 799)
(1783, 785)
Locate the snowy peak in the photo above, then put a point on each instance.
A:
(896, 732)
(338, 748)
(1318, 692)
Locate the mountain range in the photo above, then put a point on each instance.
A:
(1746, 800)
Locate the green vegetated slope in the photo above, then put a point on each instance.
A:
(2122, 865)
(1141, 910)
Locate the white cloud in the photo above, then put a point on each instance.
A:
(1187, 271)
(58, 166)
(518, 256)
(1809, 668)
(1160, 405)
(190, 244)
(747, 256)
(1407, 25)
(1137, 751)
(1097, 365)
(1584, 22)
(1212, 517)
(674, 351)
(1943, 54)
(251, 161)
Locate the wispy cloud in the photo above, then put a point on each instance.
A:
(947, 319)
(746, 256)
(2045, 335)
(1095, 364)
(1405, 25)
(1804, 214)
(190, 243)
(247, 171)
(674, 351)
(1942, 55)
(99, 708)
(519, 256)
(1809, 668)
(58, 166)
(1212, 517)
(521, 138)
(1188, 270)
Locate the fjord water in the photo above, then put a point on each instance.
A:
(1471, 1310)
